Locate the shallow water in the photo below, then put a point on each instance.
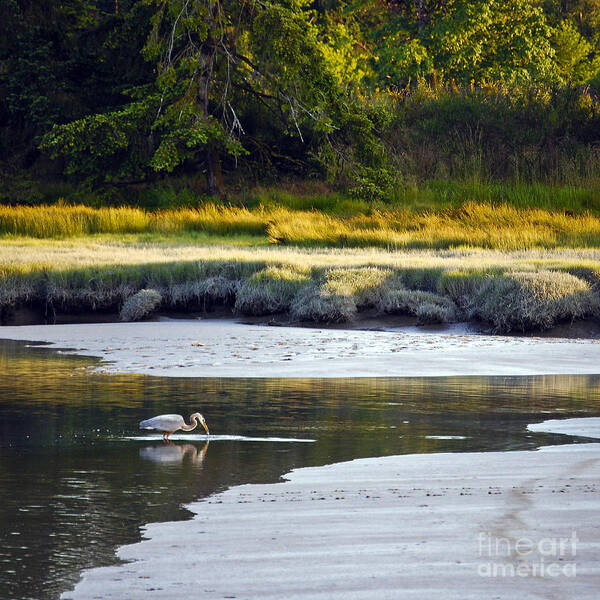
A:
(77, 479)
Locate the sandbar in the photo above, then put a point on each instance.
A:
(226, 348)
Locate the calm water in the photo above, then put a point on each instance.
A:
(73, 488)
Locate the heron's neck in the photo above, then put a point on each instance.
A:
(191, 426)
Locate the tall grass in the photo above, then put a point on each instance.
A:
(492, 133)
(58, 221)
(470, 225)
(440, 194)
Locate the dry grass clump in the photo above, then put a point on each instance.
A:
(202, 294)
(460, 286)
(426, 306)
(319, 305)
(271, 290)
(340, 294)
(524, 301)
(141, 305)
(365, 286)
(432, 312)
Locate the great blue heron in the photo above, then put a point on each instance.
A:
(170, 423)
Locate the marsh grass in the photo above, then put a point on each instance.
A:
(426, 306)
(471, 225)
(201, 294)
(58, 221)
(271, 290)
(524, 301)
(141, 305)
(515, 290)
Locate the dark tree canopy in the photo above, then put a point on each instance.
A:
(130, 90)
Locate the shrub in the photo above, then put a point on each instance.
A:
(141, 305)
(533, 300)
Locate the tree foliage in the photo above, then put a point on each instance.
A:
(216, 60)
(130, 90)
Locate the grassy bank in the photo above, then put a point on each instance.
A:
(470, 225)
(509, 291)
(515, 269)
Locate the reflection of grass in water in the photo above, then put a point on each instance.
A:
(28, 372)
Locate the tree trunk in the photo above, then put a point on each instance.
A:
(214, 177)
(422, 13)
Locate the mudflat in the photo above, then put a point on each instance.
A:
(226, 348)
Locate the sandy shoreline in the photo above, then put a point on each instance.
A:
(453, 526)
(225, 348)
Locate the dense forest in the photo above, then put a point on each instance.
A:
(365, 95)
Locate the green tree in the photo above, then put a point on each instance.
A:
(575, 56)
(62, 60)
(216, 61)
(466, 41)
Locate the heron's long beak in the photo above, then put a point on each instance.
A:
(205, 428)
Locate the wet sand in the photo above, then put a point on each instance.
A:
(225, 348)
(500, 525)
(587, 427)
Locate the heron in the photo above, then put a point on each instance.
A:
(171, 423)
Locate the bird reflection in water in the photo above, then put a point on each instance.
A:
(170, 453)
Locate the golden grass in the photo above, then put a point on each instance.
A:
(439, 266)
(472, 225)
(27, 255)
(58, 221)
(111, 270)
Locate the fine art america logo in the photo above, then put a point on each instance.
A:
(527, 557)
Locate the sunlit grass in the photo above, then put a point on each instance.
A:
(58, 221)
(471, 225)
(511, 267)
(529, 288)
(27, 255)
